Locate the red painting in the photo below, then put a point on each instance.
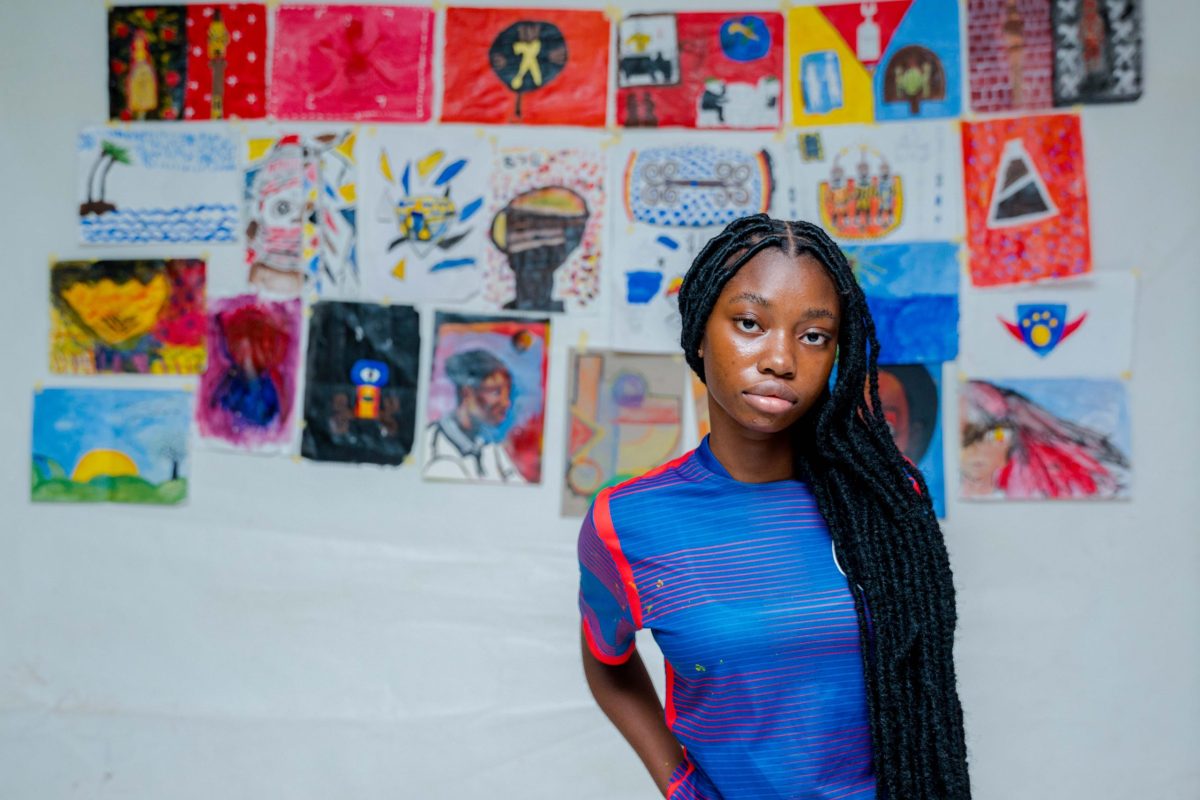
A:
(352, 63)
(1026, 199)
(526, 66)
(1011, 61)
(704, 70)
(226, 62)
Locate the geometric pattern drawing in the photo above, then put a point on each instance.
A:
(1011, 56)
(696, 185)
(352, 62)
(1097, 51)
(625, 418)
(144, 316)
(700, 70)
(155, 186)
(1026, 199)
(543, 67)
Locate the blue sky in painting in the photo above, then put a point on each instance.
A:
(145, 425)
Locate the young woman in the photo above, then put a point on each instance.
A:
(791, 568)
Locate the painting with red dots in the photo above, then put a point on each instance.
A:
(147, 62)
(352, 62)
(226, 62)
(1026, 199)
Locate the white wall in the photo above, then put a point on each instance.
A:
(307, 631)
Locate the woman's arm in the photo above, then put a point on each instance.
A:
(627, 697)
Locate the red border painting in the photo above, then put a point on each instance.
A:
(227, 48)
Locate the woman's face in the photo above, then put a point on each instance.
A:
(770, 343)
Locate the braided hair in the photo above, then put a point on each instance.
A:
(886, 534)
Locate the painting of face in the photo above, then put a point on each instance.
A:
(489, 402)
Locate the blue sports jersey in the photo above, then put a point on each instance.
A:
(740, 586)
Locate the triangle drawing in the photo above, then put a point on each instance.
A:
(1019, 195)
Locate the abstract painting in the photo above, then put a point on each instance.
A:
(880, 184)
(1011, 54)
(700, 406)
(673, 197)
(546, 212)
(487, 399)
(1047, 439)
(527, 66)
(152, 186)
(226, 61)
(912, 290)
(911, 396)
(147, 62)
(110, 445)
(625, 417)
(700, 70)
(882, 60)
(1026, 199)
(1076, 329)
(301, 223)
(352, 62)
(424, 225)
(360, 400)
(247, 396)
(1097, 51)
(132, 316)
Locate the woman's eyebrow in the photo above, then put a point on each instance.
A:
(751, 297)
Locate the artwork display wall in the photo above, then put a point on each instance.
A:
(356, 215)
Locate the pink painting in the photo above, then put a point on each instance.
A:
(352, 63)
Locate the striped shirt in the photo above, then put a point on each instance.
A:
(740, 586)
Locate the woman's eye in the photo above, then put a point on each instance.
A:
(814, 337)
(747, 325)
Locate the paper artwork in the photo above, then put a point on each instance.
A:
(700, 405)
(880, 184)
(1011, 48)
(1076, 329)
(360, 400)
(1044, 439)
(487, 399)
(671, 199)
(352, 62)
(700, 70)
(129, 316)
(1097, 51)
(1026, 199)
(912, 291)
(882, 60)
(247, 396)
(147, 62)
(528, 66)
(152, 186)
(546, 212)
(424, 221)
(110, 445)
(625, 417)
(300, 219)
(911, 397)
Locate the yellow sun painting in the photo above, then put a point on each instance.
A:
(106, 463)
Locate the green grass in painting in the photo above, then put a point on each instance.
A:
(123, 489)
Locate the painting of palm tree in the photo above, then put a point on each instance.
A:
(109, 154)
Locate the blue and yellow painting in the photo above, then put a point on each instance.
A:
(920, 73)
(110, 445)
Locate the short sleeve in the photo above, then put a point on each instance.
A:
(604, 603)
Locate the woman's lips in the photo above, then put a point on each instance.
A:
(771, 397)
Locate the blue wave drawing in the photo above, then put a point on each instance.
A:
(198, 223)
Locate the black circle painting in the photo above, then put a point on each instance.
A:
(527, 55)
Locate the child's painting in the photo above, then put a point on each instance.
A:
(110, 445)
(700, 406)
(911, 396)
(1048, 439)
(880, 184)
(546, 212)
(1026, 199)
(912, 290)
(672, 198)
(1097, 51)
(526, 66)
(700, 70)
(1011, 47)
(865, 62)
(301, 222)
(147, 62)
(128, 316)
(487, 399)
(1075, 329)
(226, 61)
(145, 186)
(360, 401)
(424, 223)
(625, 417)
(247, 397)
(352, 62)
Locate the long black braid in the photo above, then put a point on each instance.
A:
(886, 534)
